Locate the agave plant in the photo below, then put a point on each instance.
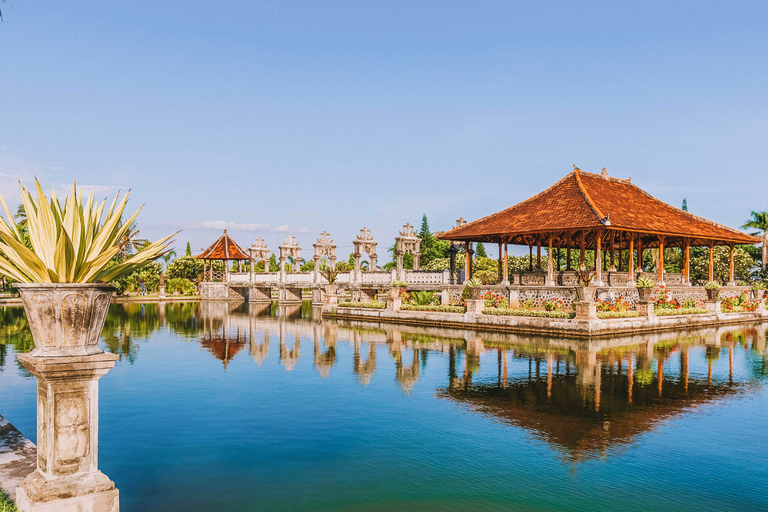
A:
(423, 298)
(73, 243)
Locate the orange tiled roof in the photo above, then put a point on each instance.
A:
(223, 249)
(586, 201)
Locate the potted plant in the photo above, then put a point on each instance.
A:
(330, 274)
(474, 285)
(395, 287)
(585, 291)
(758, 290)
(713, 289)
(644, 288)
(64, 280)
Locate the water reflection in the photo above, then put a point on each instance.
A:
(583, 397)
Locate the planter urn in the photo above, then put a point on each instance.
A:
(331, 289)
(759, 294)
(712, 294)
(586, 293)
(394, 292)
(475, 293)
(66, 319)
(645, 293)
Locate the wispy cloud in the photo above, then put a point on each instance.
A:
(236, 226)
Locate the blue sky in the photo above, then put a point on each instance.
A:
(299, 117)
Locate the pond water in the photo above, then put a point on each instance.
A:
(220, 407)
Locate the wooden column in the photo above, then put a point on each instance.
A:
(530, 256)
(582, 258)
(501, 265)
(466, 262)
(687, 260)
(731, 277)
(660, 261)
(639, 253)
(506, 265)
(568, 253)
(711, 261)
(599, 258)
(631, 266)
(612, 251)
(538, 252)
(621, 251)
(550, 265)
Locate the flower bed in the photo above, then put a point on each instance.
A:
(442, 309)
(527, 312)
(681, 311)
(616, 314)
(368, 305)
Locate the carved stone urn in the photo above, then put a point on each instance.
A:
(712, 294)
(475, 293)
(645, 293)
(586, 293)
(66, 319)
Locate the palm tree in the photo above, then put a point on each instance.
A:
(167, 257)
(21, 217)
(129, 241)
(759, 221)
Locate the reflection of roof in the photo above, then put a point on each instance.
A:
(223, 348)
(587, 201)
(223, 249)
(568, 417)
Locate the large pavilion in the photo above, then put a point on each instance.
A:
(596, 212)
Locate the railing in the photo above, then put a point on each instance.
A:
(424, 277)
(378, 277)
(265, 277)
(239, 277)
(301, 278)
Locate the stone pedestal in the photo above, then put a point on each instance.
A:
(712, 305)
(586, 310)
(475, 306)
(330, 300)
(646, 308)
(445, 298)
(67, 475)
(394, 303)
(161, 291)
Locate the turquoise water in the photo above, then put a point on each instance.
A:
(200, 414)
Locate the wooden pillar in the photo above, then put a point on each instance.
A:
(621, 251)
(612, 249)
(711, 261)
(506, 265)
(538, 252)
(631, 266)
(501, 266)
(530, 256)
(598, 258)
(639, 253)
(731, 277)
(467, 277)
(568, 253)
(550, 265)
(687, 259)
(660, 261)
(582, 259)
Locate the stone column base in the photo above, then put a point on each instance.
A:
(445, 298)
(586, 310)
(475, 306)
(712, 305)
(101, 501)
(646, 308)
(393, 304)
(330, 300)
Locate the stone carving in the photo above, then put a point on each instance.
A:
(364, 243)
(323, 248)
(290, 247)
(259, 252)
(407, 242)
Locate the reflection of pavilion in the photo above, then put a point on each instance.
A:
(586, 402)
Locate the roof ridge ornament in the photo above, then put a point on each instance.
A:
(604, 174)
(575, 168)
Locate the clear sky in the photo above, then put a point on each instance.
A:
(298, 117)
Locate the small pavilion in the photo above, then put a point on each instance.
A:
(586, 211)
(224, 249)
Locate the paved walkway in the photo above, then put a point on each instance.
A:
(17, 457)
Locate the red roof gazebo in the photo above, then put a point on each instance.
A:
(224, 249)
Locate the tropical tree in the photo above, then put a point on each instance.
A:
(759, 221)
(129, 241)
(167, 257)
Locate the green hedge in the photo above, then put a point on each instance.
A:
(616, 314)
(369, 305)
(443, 309)
(527, 312)
(6, 505)
(681, 311)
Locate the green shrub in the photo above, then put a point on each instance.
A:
(681, 311)
(424, 298)
(712, 285)
(527, 312)
(187, 267)
(644, 282)
(180, 285)
(368, 305)
(6, 505)
(443, 309)
(616, 314)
